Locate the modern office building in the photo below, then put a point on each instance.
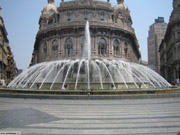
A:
(156, 34)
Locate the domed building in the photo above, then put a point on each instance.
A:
(105, 55)
(61, 33)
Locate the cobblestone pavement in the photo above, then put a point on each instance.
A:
(91, 117)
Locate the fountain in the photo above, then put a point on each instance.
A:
(87, 73)
(87, 43)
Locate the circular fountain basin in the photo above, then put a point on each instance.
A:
(83, 74)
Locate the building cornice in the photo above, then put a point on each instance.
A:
(88, 4)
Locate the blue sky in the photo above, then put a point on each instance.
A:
(21, 20)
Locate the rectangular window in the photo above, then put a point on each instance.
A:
(179, 54)
(102, 17)
(178, 16)
(69, 18)
(178, 5)
(178, 35)
(50, 21)
(113, 17)
(85, 17)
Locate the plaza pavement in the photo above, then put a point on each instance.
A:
(90, 117)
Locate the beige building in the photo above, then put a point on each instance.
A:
(61, 32)
(156, 34)
(8, 70)
(170, 47)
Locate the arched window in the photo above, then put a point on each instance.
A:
(102, 46)
(50, 21)
(120, 14)
(68, 47)
(51, 12)
(119, 18)
(54, 48)
(116, 47)
(126, 49)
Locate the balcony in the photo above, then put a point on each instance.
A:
(76, 24)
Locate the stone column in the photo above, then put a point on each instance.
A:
(62, 47)
(122, 52)
(48, 49)
(94, 46)
(78, 48)
(110, 46)
(59, 47)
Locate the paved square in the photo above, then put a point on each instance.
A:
(90, 117)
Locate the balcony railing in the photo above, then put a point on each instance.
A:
(56, 26)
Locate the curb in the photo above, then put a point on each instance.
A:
(91, 97)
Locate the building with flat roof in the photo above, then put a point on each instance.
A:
(156, 34)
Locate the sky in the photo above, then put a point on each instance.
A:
(21, 21)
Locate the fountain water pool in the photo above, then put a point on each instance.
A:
(103, 74)
(88, 73)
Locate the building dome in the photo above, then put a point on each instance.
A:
(121, 6)
(50, 8)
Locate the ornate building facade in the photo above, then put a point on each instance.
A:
(8, 69)
(61, 31)
(170, 47)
